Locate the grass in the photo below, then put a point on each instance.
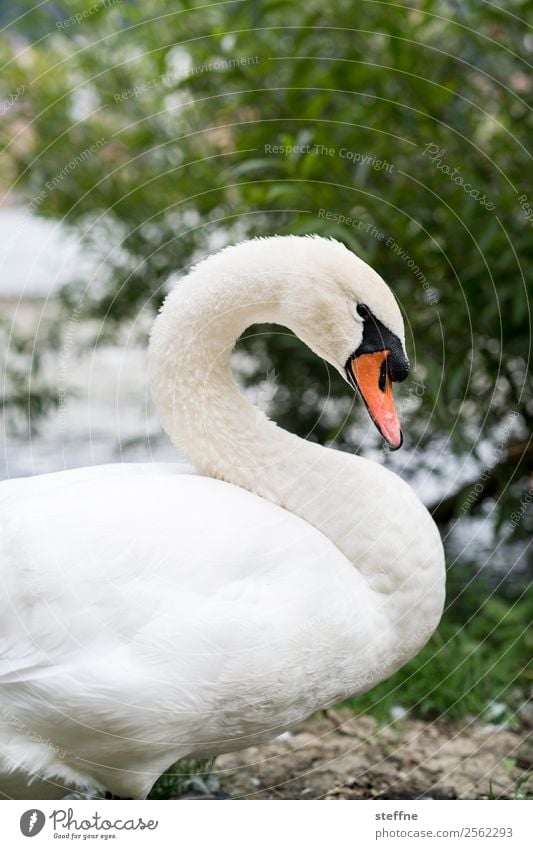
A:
(523, 790)
(476, 665)
(186, 776)
(182, 778)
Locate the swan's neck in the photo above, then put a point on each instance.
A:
(355, 503)
(201, 406)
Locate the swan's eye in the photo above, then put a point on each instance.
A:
(382, 382)
(363, 310)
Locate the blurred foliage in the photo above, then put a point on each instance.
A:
(155, 128)
(26, 395)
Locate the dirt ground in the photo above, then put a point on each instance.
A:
(339, 756)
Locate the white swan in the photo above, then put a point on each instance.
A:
(150, 612)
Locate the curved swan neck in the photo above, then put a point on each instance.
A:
(202, 408)
(371, 515)
(308, 284)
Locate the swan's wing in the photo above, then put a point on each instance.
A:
(143, 607)
(121, 555)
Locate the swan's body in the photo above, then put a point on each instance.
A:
(151, 613)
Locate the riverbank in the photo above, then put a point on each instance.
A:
(341, 756)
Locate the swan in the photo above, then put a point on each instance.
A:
(151, 612)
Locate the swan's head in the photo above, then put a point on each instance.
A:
(335, 303)
(346, 313)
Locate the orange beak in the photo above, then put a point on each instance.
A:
(369, 375)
